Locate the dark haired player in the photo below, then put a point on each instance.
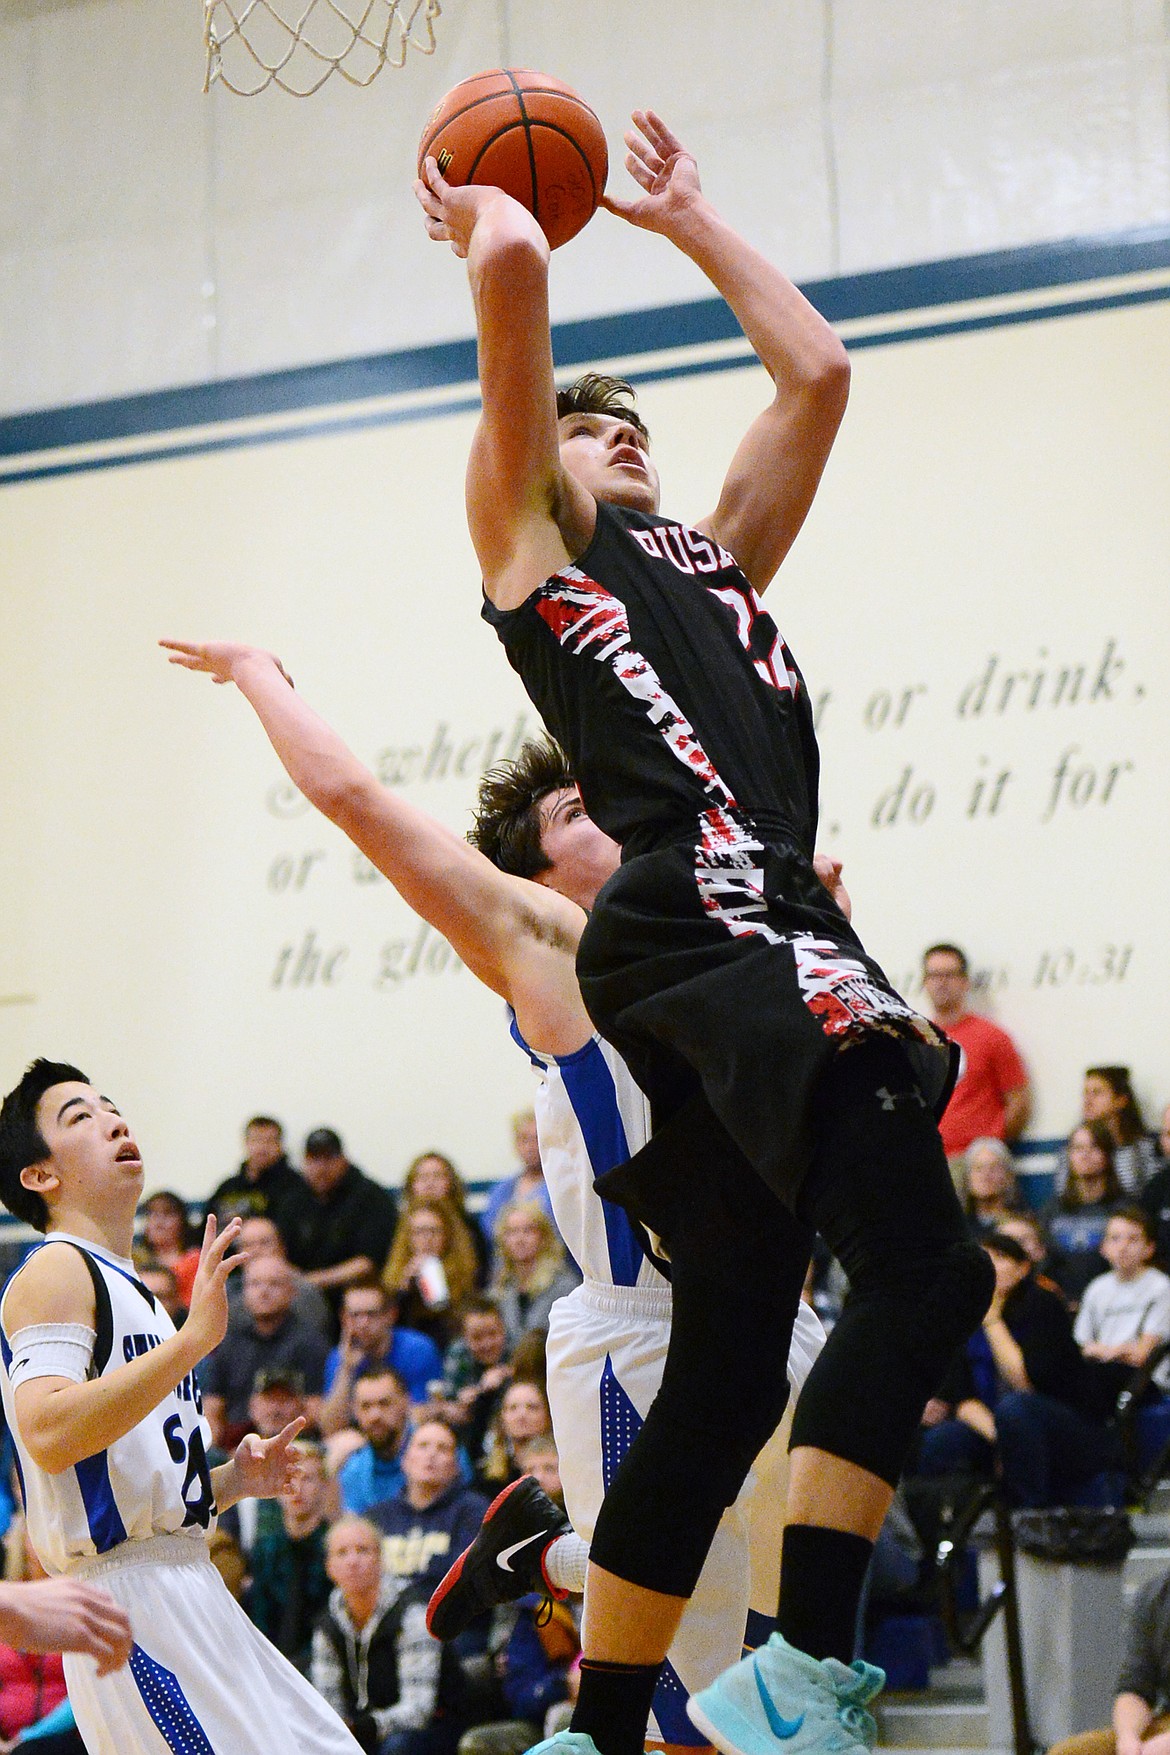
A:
(714, 963)
(514, 907)
(99, 1393)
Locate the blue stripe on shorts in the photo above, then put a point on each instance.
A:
(168, 1706)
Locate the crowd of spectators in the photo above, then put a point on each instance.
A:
(407, 1329)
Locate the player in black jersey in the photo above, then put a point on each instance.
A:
(793, 1091)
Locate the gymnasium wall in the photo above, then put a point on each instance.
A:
(977, 601)
(235, 399)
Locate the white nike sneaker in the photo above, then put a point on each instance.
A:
(505, 1561)
(779, 1698)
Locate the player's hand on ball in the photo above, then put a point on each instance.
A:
(666, 171)
(264, 1465)
(219, 659)
(65, 1614)
(452, 210)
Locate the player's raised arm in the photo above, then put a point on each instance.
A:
(778, 466)
(527, 516)
(513, 934)
(63, 1421)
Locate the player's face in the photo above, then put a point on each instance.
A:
(611, 458)
(583, 856)
(93, 1158)
(1164, 1136)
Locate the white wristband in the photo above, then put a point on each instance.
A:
(51, 1349)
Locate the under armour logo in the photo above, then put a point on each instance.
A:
(890, 1099)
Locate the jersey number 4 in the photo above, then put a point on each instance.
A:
(196, 1491)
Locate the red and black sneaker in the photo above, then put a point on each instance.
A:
(505, 1561)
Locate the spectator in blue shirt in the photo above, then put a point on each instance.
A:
(382, 1412)
(372, 1341)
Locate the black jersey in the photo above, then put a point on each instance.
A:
(655, 665)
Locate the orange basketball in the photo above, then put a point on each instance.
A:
(528, 134)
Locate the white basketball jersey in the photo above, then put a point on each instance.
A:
(155, 1480)
(590, 1116)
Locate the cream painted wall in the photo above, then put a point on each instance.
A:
(151, 236)
(995, 506)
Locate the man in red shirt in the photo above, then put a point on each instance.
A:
(991, 1097)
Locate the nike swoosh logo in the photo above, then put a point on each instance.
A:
(504, 1556)
(780, 1727)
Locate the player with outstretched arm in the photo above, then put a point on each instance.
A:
(514, 906)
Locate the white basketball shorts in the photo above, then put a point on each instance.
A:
(202, 1680)
(606, 1349)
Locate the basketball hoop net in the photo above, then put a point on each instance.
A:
(297, 44)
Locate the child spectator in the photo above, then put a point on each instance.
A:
(373, 1659)
(1076, 1218)
(531, 1269)
(290, 1586)
(476, 1372)
(431, 1269)
(1125, 1314)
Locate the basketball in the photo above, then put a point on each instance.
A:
(528, 134)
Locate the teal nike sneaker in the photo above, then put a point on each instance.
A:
(565, 1743)
(781, 1699)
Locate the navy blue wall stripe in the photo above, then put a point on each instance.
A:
(921, 287)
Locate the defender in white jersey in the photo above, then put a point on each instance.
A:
(514, 908)
(607, 1343)
(100, 1395)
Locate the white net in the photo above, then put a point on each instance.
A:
(298, 44)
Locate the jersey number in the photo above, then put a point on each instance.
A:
(196, 1492)
(757, 635)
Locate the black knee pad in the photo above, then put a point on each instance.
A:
(683, 1470)
(962, 1293)
(888, 1354)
